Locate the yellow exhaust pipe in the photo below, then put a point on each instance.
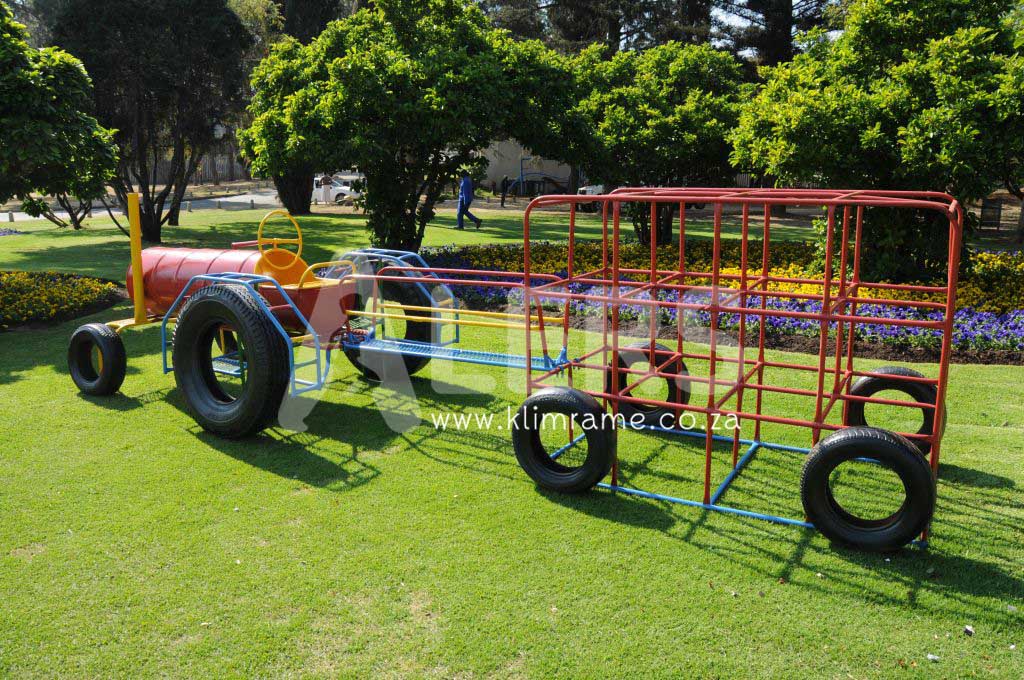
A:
(135, 237)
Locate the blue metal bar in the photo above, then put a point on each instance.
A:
(784, 447)
(434, 351)
(574, 442)
(729, 478)
(707, 506)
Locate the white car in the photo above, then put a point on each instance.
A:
(591, 190)
(329, 190)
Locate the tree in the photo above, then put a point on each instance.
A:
(685, 21)
(524, 19)
(49, 144)
(769, 27)
(407, 92)
(913, 94)
(269, 142)
(171, 70)
(571, 25)
(660, 118)
(262, 19)
(305, 19)
(1010, 97)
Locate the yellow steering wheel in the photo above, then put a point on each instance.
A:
(276, 242)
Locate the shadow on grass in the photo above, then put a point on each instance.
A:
(123, 402)
(306, 456)
(976, 478)
(940, 579)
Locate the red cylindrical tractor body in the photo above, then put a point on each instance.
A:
(166, 272)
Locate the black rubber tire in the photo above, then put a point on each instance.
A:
(537, 462)
(886, 448)
(419, 331)
(888, 378)
(677, 389)
(267, 374)
(109, 378)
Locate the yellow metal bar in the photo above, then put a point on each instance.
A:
(121, 324)
(434, 320)
(135, 237)
(474, 312)
(321, 265)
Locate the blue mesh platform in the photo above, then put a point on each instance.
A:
(420, 349)
(227, 366)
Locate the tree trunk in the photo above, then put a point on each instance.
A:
(1020, 224)
(664, 231)
(777, 46)
(181, 182)
(295, 191)
(150, 226)
(574, 179)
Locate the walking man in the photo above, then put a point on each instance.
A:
(465, 199)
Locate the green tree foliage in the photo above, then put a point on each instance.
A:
(262, 19)
(49, 144)
(1011, 102)
(407, 92)
(271, 143)
(914, 94)
(171, 70)
(661, 117)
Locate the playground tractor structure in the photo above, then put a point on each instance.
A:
(240, 316)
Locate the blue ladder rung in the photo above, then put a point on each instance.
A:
(419, 349)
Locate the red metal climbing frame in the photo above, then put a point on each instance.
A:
(736, 384)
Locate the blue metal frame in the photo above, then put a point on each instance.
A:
(251, 281)
(715, 505)
(716, 497)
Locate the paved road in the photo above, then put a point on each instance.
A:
(264, 198)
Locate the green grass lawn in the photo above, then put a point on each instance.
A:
(133, 543)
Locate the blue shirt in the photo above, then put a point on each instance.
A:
(466, 189)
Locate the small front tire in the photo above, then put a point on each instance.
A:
(105, 375)
(537, 461)
(892, 378)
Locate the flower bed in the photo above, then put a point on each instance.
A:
(990, 295)
(49, 296)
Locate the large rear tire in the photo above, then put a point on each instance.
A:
(881, 447)
(372, 365)
(538, 462)
(262, 356)
(97, 360)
